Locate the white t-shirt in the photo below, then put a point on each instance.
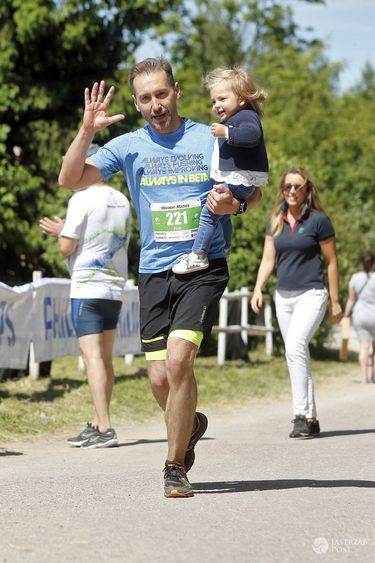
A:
(99, 217)
(364, 287)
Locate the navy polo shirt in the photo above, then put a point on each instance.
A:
(298, 256)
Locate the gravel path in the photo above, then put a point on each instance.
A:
(260, 496)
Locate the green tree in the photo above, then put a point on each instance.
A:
(225, 33)
(307, 121)
(49, 52)
(261, 36)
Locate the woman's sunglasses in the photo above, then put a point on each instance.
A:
(297, 188)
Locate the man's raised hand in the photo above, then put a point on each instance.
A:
(95, 117)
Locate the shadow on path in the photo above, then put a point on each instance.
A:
(142, 441)
(220, 487)
(4, 452)
(333, 433)
(157, 441)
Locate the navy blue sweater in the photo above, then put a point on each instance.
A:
(245, 148)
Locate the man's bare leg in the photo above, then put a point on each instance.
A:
(182, 398)
(97, 352)
(157, 374)
(159, 381)
(108, 342)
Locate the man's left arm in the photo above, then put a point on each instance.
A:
(53, 228)
(221, 201)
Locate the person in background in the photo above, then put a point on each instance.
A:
(361, 305)
(94, 237)
(298, 235)
(239, 158)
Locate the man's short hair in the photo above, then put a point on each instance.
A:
(149, 66)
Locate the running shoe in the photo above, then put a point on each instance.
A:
(106, 439)
(303, 428)
(83, 436)
(199, 428)
(176, 483)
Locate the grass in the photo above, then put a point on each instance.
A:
(60, 402)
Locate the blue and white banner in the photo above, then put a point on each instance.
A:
(15, 325)
(41, 312)
(53, 334)
(128, 339)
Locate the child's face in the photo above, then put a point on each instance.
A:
(225, 102)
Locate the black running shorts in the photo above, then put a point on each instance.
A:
(185, 302)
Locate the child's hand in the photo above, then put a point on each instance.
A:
(218, 130)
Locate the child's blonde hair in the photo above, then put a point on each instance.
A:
(241, 84)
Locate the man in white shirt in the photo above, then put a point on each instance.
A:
(94, 239)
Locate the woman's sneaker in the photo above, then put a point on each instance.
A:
(106, 439)
(83, 436)
(303, 428)
(176, 483)
(192, 262)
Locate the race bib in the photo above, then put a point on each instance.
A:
(175, 221)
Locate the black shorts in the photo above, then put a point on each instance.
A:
(93, 316)
(186, 302)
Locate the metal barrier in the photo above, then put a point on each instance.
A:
(222, 329)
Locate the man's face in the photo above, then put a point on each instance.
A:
(156, 99)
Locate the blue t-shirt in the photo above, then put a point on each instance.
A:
(298, 255)
(164, 173)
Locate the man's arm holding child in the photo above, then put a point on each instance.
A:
(220, 200)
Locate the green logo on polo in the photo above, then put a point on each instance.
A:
(301, 230)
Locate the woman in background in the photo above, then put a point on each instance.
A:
(361, 304)
(298, 234)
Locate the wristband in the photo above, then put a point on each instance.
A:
(242, 208)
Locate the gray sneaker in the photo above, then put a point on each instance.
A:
(106, 439)
(83, 436)
(176, 483)
(303, 428)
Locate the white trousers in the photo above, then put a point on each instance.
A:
(299, 314)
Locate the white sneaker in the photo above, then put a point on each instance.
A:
(192, 262)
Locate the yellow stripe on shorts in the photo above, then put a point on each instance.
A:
(193, 336)
(152, 339)
(158, 355)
